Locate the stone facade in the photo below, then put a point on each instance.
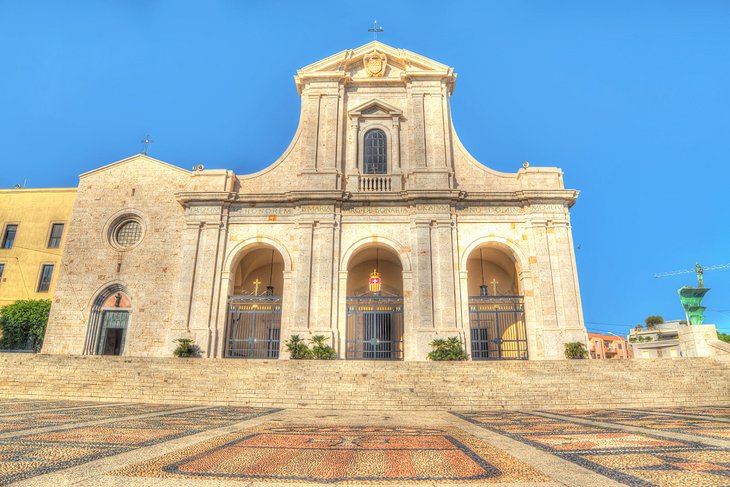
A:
(435, 223)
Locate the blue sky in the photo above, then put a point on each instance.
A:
(629, 98)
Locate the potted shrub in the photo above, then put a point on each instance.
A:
(297, 348)
(321, 351)
(447, 350)
(186, 347)
(576, 350)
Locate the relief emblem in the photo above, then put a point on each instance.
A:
(375, 62)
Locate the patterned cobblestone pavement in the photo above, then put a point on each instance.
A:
(31, 455)
(627, 457)
(663, 422)
(94, 444)
(348, 454)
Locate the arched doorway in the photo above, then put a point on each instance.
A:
(109, 321)
(253, 328)
(496, 306)
(374, 305)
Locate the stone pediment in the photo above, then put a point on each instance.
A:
(375, 62)
(375, 109)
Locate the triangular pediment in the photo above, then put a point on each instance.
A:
(399, 64)
(135, 159)
(375, 108)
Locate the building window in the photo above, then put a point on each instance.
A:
(54, 241)
(44, 283)
(126, 233)
(375, 153)
(9, 236)
(2, 271)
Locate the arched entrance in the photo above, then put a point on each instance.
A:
(374, 305)
(253, 325)
(109, 321)
(496, 306)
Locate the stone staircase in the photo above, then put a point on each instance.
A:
(370, 384)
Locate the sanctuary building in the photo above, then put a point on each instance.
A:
(376, 228)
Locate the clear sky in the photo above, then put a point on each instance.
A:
(630, 98)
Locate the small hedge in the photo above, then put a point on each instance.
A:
(23, 324)
(186, 347)
(447, 350)
(574, 350)
(299, 350)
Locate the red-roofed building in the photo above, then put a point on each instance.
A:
(607, 346)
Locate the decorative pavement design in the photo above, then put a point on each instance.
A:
(341, 454)
(712, 411)
(43, 419)
(24, 406)
(36, 454)
(646, 419)
(630, 458)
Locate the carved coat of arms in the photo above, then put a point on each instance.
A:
(375, 62)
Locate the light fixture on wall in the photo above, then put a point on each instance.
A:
(375, 281)
(483, 289)
(270, 287)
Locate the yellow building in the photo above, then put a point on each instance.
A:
(33, 223)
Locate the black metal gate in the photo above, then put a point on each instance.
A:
(497, 326)
(254, 327)
(375, 327)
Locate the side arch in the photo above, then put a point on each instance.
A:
(510, 247)
(94, 327)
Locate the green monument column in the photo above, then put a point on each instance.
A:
(691, 298)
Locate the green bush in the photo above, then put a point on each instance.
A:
(725, 337)
(297, 348)
(23, 324)
(186, 347)
(447, 350)
(320, 351)
(575, 350)
(653, 320)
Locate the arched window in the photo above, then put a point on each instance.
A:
(376, 154)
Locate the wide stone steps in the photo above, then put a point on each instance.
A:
(370, 384)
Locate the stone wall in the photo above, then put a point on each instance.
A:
(370, 385)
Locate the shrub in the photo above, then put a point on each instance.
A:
(321, 351)
(575, 350)
(186, 347)
(297, 348)
(448, 349)
(725, 337)
(23, 324)
(653, 320)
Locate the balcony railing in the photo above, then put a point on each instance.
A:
(375, 183)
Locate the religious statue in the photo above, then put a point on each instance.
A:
(700, 271)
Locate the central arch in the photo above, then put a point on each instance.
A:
(374, 303)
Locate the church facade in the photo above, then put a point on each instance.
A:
(376, 229)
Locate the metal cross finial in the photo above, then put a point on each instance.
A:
(256, 283)
(375, 29)
(146, 142)
(494, 283)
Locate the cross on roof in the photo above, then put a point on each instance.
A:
(375, 29)
(146, 142)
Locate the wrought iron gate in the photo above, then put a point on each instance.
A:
(375, 327)
(254, 327)
(497, 326)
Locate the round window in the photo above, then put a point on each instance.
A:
(128, 233)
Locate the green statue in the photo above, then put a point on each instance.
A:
(699, 270)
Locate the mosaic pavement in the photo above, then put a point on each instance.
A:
(630, 458)
(35, 454)
(349, 454)
(678, 424)
(173, 445)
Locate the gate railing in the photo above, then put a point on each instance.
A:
(253, 327)
(497, 328)
(374, 328)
